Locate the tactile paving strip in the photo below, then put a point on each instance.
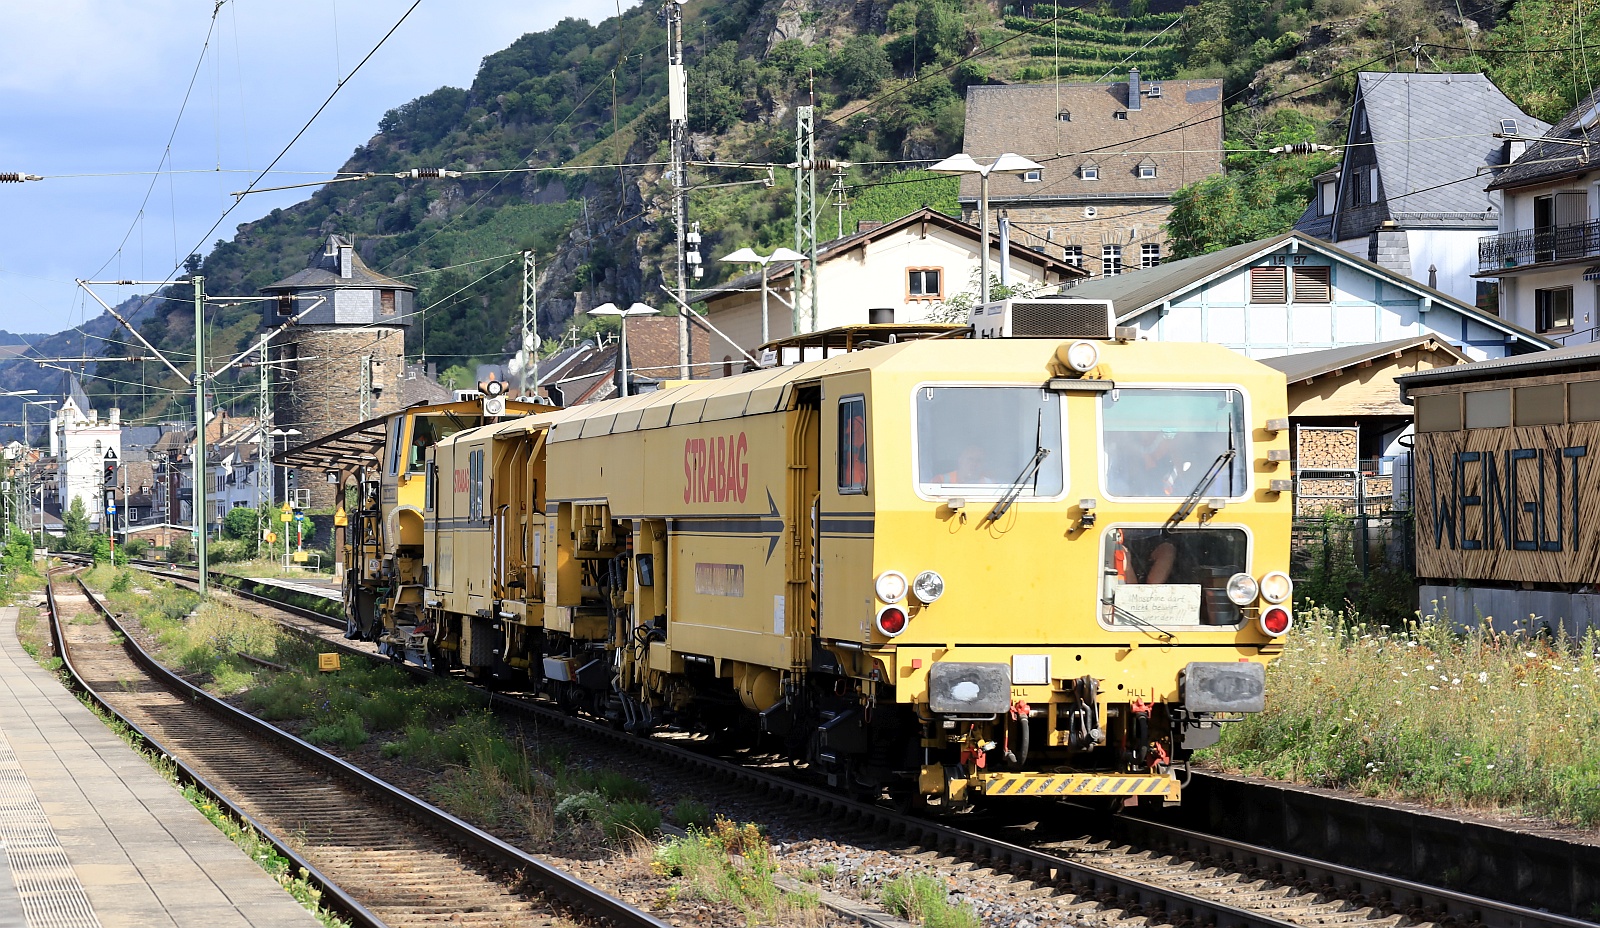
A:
(51, 895)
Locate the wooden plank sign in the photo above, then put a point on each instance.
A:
(1509, 504)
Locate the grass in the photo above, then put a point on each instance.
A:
(729, 864)
(1428, 712)
(923, 899)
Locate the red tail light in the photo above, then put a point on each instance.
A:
(891, 620)
(1276, 621)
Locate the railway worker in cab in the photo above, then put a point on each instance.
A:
(972, 466)
(853, 465)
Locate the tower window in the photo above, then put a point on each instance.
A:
(386, 302)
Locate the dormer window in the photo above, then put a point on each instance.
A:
(1032, 177)
(1147, 170)
(1089, 172)
(1120, 114)
(1508, 127)
(1154, 91)
(1064, 116)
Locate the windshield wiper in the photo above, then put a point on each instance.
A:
(1193, 499)
(1165, 635)
(1030, 470)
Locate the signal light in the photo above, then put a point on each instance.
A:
(891, 620)
(1276, 621)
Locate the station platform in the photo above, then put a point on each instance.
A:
(94, 838)
(327, 589)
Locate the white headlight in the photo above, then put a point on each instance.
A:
(1083, 356)
(891, 586)
(1276, 587)
(928, 586)
(1242, 589)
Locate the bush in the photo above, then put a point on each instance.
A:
(580, 807)
(691, 813)
(137, 547)
(225, 551)
(629, 818)
(180, 550)
(242, 523)
(347, 732)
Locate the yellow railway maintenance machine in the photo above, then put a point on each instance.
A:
(379, 465)
(947, 568)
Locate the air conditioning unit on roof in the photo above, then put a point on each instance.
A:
(1044, 317)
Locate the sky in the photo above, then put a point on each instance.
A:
(96, 86)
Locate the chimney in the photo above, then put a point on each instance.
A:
(346, 252)
(433, 370)
(880, 316)
(1133, 88)
(867, 225)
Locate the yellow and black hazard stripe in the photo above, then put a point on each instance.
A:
(1077, 785)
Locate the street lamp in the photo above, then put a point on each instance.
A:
(749, 256)
(610, 309)
(963, 163)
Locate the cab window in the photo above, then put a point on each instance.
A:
(396, 449)
(1166, 578)
(1160, 443)
(983, 441)
(853, 445)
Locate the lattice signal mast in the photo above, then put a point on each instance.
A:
(678, 122)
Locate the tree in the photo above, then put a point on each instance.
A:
(1545, 85)
(75, 524)
(243, 523)
(455, 377)
(860, 66)
(1261, 194)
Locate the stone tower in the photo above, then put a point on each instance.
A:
(344, 357)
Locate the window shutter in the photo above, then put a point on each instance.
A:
(1268, 285)
(1312, 285)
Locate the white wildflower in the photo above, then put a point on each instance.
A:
(1483, 676)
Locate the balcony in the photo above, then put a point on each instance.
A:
(1528, 247)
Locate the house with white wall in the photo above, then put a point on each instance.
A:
(910, 267)
(79, 440)
(1546, 254)
(1409, 193)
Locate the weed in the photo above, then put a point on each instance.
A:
(347, 732)
(579, 807)
(691, 813)
(624, 819)
(730, 864)
(1430, 712)
(922, 898)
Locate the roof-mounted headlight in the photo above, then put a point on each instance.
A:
(1083, 356)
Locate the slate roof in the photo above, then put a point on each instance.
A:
(323, 273)
(1585, 356)
(72, 389)
(1133, 292)
(137, 441)
(1180, 130)
(1549, 161)
(781, 270)
(1433, 134)
(1308, 364)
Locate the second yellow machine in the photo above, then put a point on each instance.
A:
(944, 568)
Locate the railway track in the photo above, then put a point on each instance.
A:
(1169, 875)
(383, 857)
